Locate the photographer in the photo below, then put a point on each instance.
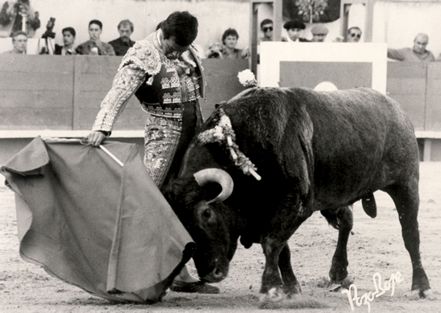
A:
(48, 45)
(18, 15)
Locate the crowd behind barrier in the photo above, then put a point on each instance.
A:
(19, 20)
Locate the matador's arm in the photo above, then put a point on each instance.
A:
(141, 61)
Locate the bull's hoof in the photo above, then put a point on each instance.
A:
(344, 283)
(417, 294)
(275, 294)
(293, 289)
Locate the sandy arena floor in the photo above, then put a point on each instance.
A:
(375, 246)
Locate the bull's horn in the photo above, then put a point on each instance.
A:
(219, 176)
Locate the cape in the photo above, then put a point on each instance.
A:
(93, 223)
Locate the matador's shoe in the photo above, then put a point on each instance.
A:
(193, 287)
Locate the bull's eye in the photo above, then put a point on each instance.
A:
(207, 214)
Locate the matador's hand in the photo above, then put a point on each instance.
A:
(95, 138)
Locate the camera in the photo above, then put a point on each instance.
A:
(49, 33)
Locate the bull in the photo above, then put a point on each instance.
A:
(315, 151)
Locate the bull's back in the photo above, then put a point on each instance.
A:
(362, 142)
(361, 139)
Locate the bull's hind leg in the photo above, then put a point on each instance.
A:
(406, 200)
(341, 219)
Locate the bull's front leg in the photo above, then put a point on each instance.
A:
(277, 254)
(290, 282)
(271, 279)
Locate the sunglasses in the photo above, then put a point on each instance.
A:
(267, 29)
(355, 35)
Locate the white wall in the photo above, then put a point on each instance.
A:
(214, 16)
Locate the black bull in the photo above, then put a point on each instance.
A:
(315, 151)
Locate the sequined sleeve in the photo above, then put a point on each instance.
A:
(141, 60)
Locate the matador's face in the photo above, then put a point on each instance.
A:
(171, 49)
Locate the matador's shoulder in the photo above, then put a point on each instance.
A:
(144, 55)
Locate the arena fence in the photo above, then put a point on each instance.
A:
(60, 96)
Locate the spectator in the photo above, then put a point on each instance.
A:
(294, 30)
(267, 27)
(353, 34)
(123, 43)
(18, 15)
(418, 53)
(229, 40)
(94, 46)
(67, 48)
(228, 50)
(319, 33)
(19, 43)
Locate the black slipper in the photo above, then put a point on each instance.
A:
(196, 287)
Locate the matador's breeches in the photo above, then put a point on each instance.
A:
(161, 138)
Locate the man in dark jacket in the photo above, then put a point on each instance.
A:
(68, 42)
(123, 43)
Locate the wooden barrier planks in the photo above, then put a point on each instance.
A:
(36, 92)
(93, 79)
(222, 82)
(55, 92)
(406, 83)
(343, 75)
(433, 97)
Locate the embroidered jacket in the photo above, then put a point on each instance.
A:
(156, 80)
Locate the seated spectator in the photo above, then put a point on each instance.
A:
(229, 40)
(123, 43)
(294, 30)
(353, 34)
(418, 53)
(319, 33)
(267, 27)
(18, 15)
(227, 50)
(67, 48)
(94, 46)
(19, 43)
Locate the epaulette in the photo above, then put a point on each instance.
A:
(143, 55)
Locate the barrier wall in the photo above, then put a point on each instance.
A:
(55, 92)
(63, 93)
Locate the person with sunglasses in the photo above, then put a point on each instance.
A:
(353, 34)
(267, 26)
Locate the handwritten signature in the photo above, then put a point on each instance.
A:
(380, 289)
